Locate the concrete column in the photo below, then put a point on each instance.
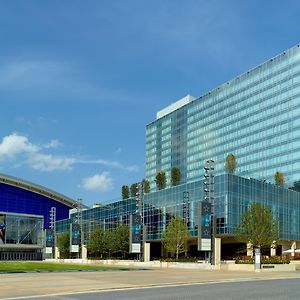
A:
(56, 253)
(273, 249)
(249, 250)
(217, 251)
(293, 247)
(147, 252)
(84, 252)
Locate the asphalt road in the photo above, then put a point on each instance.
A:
(255, 289)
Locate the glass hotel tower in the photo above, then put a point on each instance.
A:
(255, 116)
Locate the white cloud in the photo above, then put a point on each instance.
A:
(15, 144)
(19, 148)
(111, 164)
(53, 144)
(49, 162)
(99, 182)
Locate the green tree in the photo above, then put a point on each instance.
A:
(146, 186)
(133, 190)
(63, 244)
(125, 192)
(98, 243)
(258, 227)
(161, 180)
(230, 163)
(175, 176)
(110, 246)
(121, 240)
(279, 178)
(175, 236)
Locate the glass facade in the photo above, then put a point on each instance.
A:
(233, 195)
(107, 217)
(255, 116)
(17, 200)
(19, 229)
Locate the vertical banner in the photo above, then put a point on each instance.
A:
(2, 229)
(49, 241)
(135, 234)
(75, 237)
(204, 229)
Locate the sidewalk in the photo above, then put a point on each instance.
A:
(32, 284)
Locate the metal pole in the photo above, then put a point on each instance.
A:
(79, 220)
(53, 226)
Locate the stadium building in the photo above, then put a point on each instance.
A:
(24, 214)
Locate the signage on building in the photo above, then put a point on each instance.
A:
(49, 241)
(135, 234)
(205, 229)
(75, 237)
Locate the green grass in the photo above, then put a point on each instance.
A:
(28, 266)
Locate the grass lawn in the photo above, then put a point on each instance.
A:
(33, 266)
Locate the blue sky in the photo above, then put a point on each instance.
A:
(79, 80)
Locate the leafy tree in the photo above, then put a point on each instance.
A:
(161, 180)
(63, 244)
(98, 243)
(125, 192)
(121, 240)
(279, 178)
(258, 227)
(230, 163)
(175, 236)
(133, 190)
(110, 246)
(146, 185)
(175, 176)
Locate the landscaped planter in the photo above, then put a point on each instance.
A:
(231, 266)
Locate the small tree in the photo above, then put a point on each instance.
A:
(175, 176)
(121, 240)
(133, 190)
(230, 163)
(97, 243)
(161, 180)
(175, 237)
(258, 227)
(146, 186)
(279, 178)
(63, 243)
(125, 192)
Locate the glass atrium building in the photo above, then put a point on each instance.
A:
(255, 116)
(233, 195)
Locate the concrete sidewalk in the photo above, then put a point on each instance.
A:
(34, 284)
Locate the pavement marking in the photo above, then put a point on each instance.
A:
(176, 284)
